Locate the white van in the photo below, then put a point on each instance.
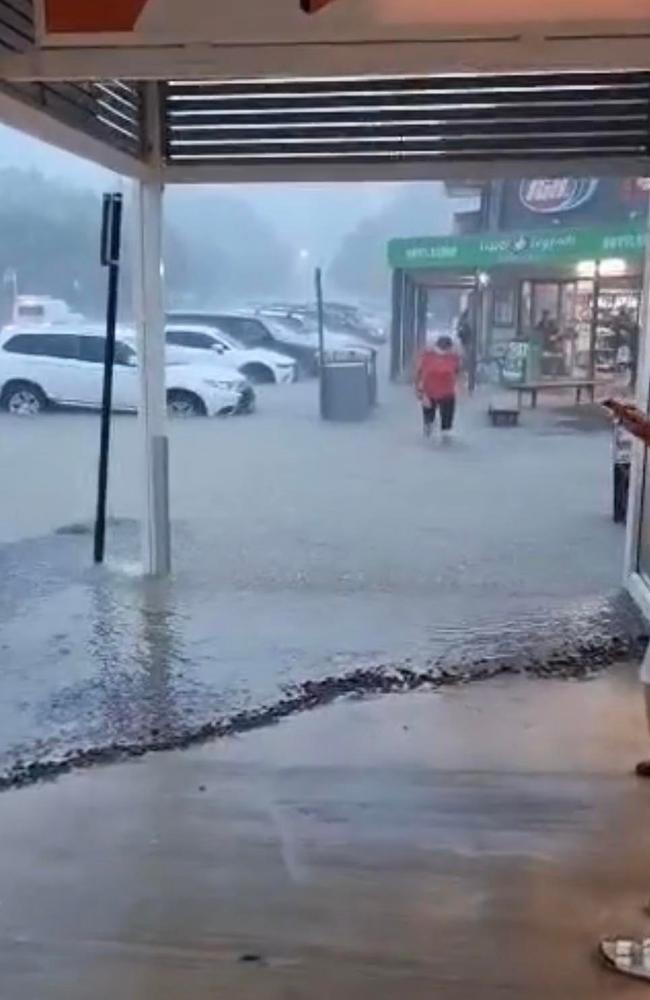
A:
(31, 310)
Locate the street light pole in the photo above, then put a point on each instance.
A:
(321, 337)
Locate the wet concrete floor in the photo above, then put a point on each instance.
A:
(473, 842)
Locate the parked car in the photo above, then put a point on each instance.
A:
(257, 364)
(39, 368)
(302, 325)
(251, 330)
(339, 319)
(355, 322)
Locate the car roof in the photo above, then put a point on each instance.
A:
(210, 328)
(63, 329)
(240, 314)
(206, 313)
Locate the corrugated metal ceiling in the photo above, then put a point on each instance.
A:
(355, 120)
(462, 118)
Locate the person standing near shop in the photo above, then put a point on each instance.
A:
(436, 379)
(548, 332)
(466, 335)
(626, 337)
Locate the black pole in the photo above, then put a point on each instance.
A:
(408, 326)
(321, 338)
(110, 257)
(595, 316)
(474, 313)
(422, 311)
(396, 324)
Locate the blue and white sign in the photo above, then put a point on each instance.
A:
(552, 195)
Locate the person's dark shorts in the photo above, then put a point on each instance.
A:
(447, 409)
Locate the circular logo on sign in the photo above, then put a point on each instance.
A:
(520, 244)
(550, 195)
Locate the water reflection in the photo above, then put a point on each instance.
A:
(137, 645)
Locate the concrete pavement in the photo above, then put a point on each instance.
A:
(469, 843)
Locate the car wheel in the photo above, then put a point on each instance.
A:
(23, 399)
(184, 404)
(258, 374)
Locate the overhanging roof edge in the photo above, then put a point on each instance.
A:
(522, 53)
(20, 114)
(401, 171)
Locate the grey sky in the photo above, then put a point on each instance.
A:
(315, 217)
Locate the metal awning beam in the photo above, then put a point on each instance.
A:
(337, 172)
(525, 53)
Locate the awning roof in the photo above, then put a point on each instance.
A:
(168, 39)
(214, 118)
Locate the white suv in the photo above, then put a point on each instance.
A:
(66, 367)
(258, 364)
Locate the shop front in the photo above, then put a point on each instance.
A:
(546, 303)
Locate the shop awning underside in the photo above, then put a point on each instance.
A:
(325, 128)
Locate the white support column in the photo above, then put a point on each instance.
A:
(149, 308)
(150, 322)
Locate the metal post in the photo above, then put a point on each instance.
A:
(8, 296)
(408, 326)
(595, 315)
(396, 324)
(150, 321)
(318, 279)
(485, 333)
(474, 308)
(111, 243)
(421, 311)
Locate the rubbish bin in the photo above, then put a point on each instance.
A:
(622, 455)
(365, 354)
(345, 390)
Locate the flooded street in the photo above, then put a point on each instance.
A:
(371, 725)
(303, 554)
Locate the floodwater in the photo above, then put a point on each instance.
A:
(310, 560)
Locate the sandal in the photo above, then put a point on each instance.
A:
(642, 769)
(627, 956)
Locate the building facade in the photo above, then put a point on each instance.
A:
(562, 291)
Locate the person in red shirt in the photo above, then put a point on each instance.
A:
(435, 384)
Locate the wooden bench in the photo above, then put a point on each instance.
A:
(533, 388)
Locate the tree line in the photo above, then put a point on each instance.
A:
(216, 248)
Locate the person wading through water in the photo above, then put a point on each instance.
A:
(638, 424)
(435, 384)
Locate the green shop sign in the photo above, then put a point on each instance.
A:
(556, 246)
